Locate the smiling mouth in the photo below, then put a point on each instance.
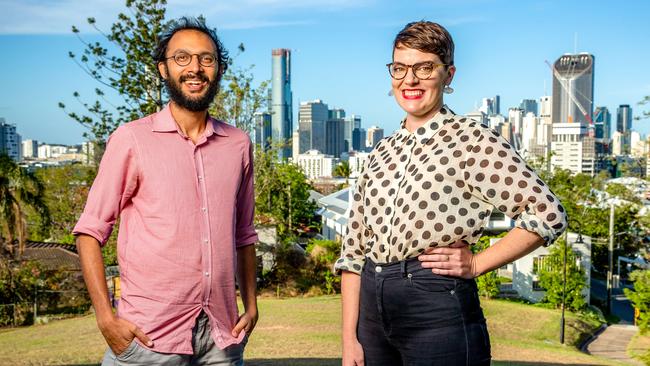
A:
(412, 94)
(195, 85)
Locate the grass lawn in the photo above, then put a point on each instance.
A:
(639, 348)
(305, 331)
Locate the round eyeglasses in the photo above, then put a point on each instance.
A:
(421, 70)
(184, 58)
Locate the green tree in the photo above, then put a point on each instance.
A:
(640, 297)
(342, 170)
(238, 99)
(282, 194)
(551, 278)
(488, 283)
(18, 189)
(64, 194)
(130, 74)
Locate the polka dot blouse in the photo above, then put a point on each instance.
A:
(438, 185)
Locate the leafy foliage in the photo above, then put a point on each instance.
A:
(488, 283)
(342, 170)
(238, 100)
(640, 297)
(282, 194)
(551, 278)
(131, 74)
(18, 189)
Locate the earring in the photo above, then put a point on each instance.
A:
(448, 89)
(390, 93)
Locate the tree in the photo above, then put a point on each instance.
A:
(342, 170)
(282, 194)
(131, 73)
(551, 278)
(487, 283)
(65, 191)
(238, 101)
(18, 189)
(640, 297)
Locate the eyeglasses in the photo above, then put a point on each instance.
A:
(184, 58)
(422, 70)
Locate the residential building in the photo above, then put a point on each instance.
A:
(30, 149)
(281, 101)
(315, 164)
(10, 141)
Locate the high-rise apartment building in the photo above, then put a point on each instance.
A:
(334, 137)
(30, 149)
(281, 101)
(10, 141)
(491, 106)
(571, 113)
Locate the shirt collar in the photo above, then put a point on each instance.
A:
(429, 128)
(163, 121)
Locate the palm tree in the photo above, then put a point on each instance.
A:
(342, 170)
(18, 188)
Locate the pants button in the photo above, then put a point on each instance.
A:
(378, 269)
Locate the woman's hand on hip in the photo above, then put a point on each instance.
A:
(456, 260)
(352, 353)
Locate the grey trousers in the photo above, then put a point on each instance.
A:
(205, 352)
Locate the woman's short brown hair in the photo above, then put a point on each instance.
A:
(427, 37)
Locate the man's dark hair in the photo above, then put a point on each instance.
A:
(191, 23)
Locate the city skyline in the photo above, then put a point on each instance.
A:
(339, 51)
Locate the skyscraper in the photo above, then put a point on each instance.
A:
(281, 101)
(528, 105)
(603, 123)
(573, 89)
(374, 135)
(572, 111)
(334, 137)
(351, 123)
(263, 130)
(624, 125)
(312, 117)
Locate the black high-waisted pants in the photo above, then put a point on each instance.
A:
(412, 317)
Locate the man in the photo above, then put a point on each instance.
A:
(182, 184)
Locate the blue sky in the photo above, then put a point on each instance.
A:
(340, 48)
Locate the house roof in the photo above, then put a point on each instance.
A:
(53, 256)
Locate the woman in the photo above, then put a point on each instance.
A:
(426, 191)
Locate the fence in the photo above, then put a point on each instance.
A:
(45, 303)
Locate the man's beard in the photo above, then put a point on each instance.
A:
(197, 104)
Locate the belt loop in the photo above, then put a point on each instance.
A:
(403, 268)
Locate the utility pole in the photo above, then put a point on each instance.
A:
(610, 255)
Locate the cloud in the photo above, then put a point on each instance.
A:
(57, 17)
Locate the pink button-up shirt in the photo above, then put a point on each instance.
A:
(184, 209)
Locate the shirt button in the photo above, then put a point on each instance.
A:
(205, 241)
(200, 177)
(203, 209)
(207, 274)
(378, 269)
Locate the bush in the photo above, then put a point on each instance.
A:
(551, 279)
(640, 297)
(488, 283)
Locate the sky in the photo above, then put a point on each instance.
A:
(339, 51)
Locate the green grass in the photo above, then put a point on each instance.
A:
(306, 332)
(639, 348)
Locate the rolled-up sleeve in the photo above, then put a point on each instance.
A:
(353, 247)
(113, 187)
(245, 226)
(495, 173)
